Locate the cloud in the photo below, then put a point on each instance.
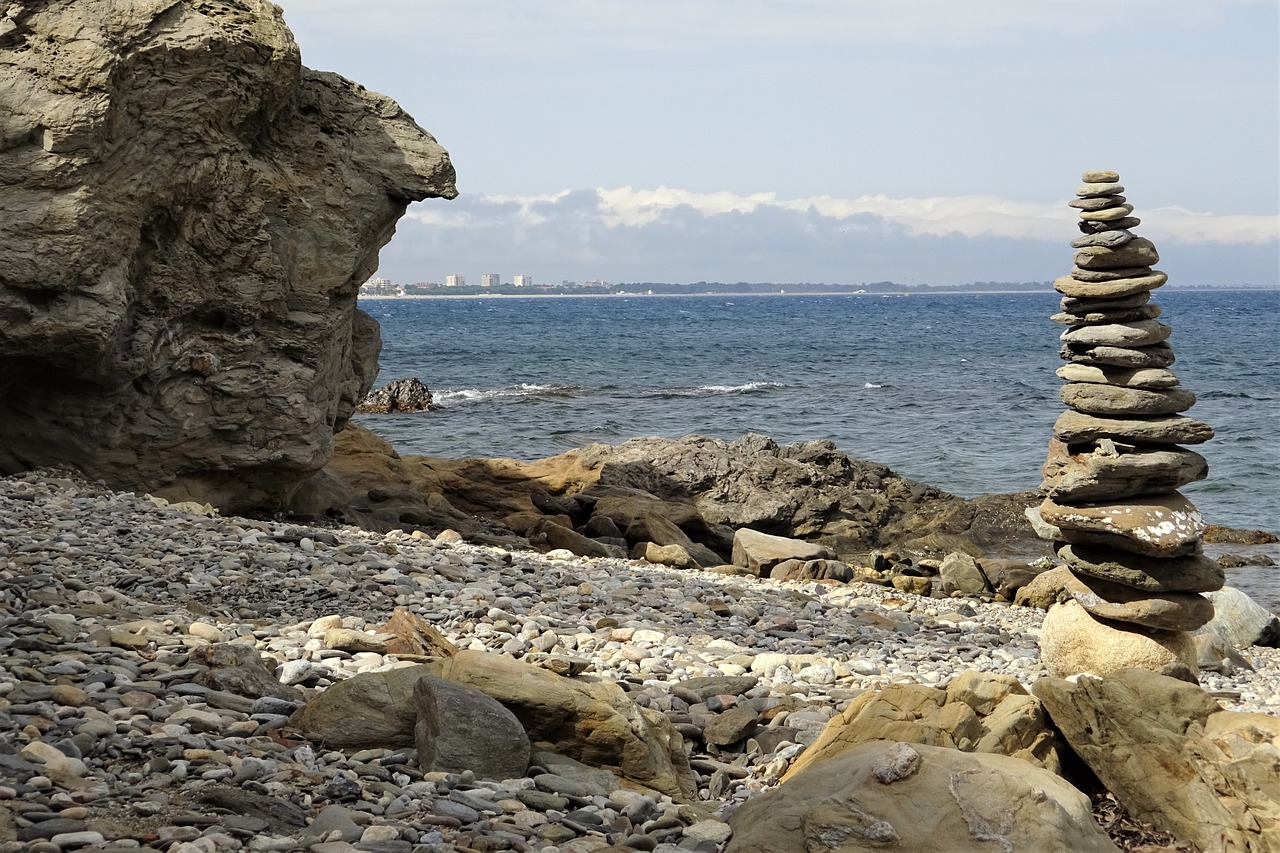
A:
(507, 27)
(964, 216)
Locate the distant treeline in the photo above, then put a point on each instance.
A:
(822, 287)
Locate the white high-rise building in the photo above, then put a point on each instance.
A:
(455, 281)
(490, 279)
(523, 281)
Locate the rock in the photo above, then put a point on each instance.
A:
(1174, 758)
(1165, 525)
(1228, 536)
(1047, 589)
(655, 528)
(1116, 288)
(1213, 654)
(1104, 470)
(1156, 356)
(368, 710)
(204, 304)
(916, 797)
(1169, 611)
(461, 728)
(1142, 333)
(1192, 573)
(760, 552)
(1125, 402)
(401, 395)
(1073, 642)
(962, 573)
(1239, 621)
(1151, 378)
(1092, 316)
(731, 726)
(1010, 576)
(981, 712)
(1077, 428)
(550, 535)
(240, 669)
(667, 555)
(1138, 252)
(813, 570)
(413, 635)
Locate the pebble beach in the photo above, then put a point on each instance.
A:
(107, 741)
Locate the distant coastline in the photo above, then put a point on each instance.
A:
(904, 292)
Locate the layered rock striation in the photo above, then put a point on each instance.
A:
(188, 214)
(1112, 507)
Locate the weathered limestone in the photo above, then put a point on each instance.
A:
(1129, 539)
(187, 216)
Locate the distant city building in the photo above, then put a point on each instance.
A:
(455, 281)
(380, 287)
(490, 279)
(523, 281)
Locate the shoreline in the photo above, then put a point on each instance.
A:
(736, 295)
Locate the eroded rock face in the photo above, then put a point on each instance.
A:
(188, 213)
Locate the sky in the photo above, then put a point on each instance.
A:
(836, 141)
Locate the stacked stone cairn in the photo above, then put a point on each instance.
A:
(1130, 540)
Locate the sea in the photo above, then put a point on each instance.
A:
(954, 390)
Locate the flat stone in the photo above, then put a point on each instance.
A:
(1101, 202)
(1138, 252)
(1164, 611)
(1128, 222)
(1110, 239)
(1076, 305)
(1127, 315)
(1093, 189)
(1069, 285)
(1104, 470)
(1074, 427)
(1150, 378)
(1159, 355)
(1094, 276)
(1101, 176)
(1141, 333)
(1191, 573)
(1166, 525)
(1107, 214)
(1095, 399)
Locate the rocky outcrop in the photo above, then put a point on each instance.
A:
(691, 493)
(1130, 540)
(977, 712)
(188, 214)
(400, 395)
(1172, 756)
(900, 796)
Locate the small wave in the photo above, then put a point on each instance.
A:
(710, 390)
(871, 385)
(452, 397)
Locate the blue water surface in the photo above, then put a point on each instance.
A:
(954, 390)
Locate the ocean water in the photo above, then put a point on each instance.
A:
(955, 390)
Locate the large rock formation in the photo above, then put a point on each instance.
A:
(187, 216)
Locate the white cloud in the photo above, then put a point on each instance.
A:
(508, 27)
(964, 216)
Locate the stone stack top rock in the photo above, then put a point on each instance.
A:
(1130, 539)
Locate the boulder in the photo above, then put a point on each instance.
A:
(1174, 758)
(1045, 590)
(183, 238)
(813, 570)
(977, 712)
(667, 555)
(1073, 642)
(760, 552)
(891, 795)
(961, 573)
(1239, 621)
(460, 728)
(549, 536)
(592, 722)
(655, 528)
(400, 395)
